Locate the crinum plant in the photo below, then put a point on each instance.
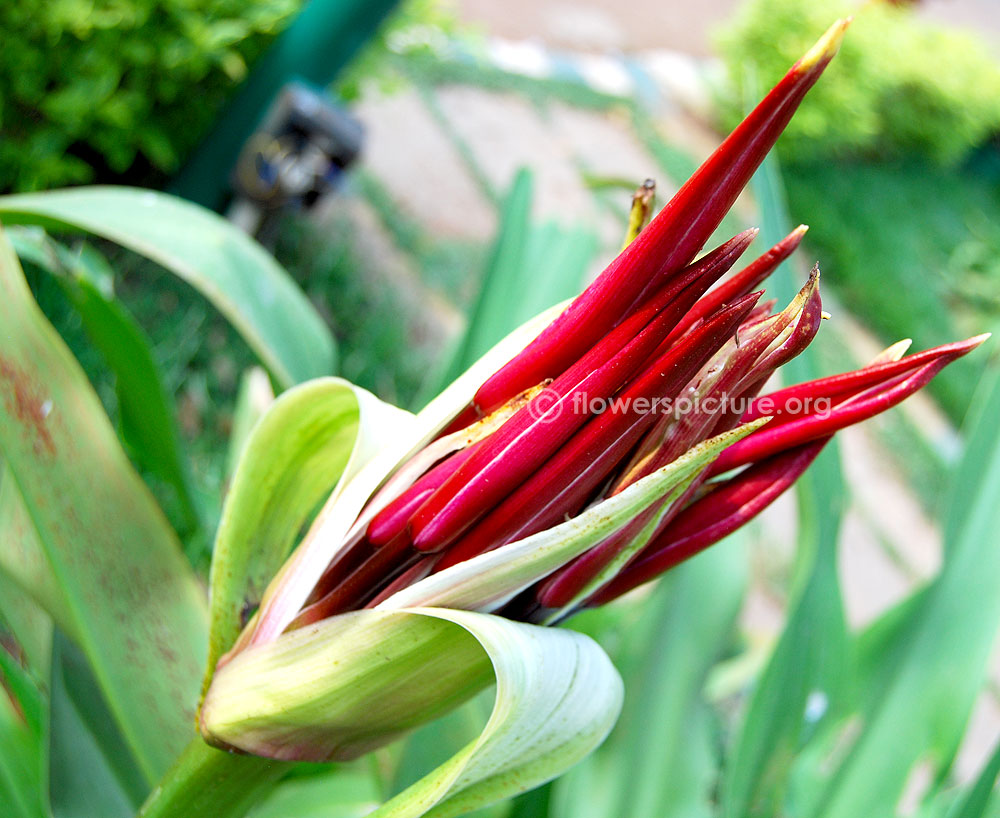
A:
(588, 452)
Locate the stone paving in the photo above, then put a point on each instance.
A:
(444, 154)
(606, 26)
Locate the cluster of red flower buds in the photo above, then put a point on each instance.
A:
(648, 362)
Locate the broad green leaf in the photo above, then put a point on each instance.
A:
(91, 774)
(146, 415)
(311, 437)
(228, 267)
(114, 560)
(489, 580)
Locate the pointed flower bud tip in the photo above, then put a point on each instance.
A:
(825, 48)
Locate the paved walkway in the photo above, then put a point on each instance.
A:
(639, 25)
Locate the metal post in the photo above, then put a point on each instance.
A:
(318, 43)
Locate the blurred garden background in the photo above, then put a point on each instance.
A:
(489, 156)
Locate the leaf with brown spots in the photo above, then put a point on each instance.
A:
(129, 596)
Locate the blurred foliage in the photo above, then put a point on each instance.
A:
(377, 327)
(902, 86)
(418, 28)
(929, 272)
(512, 290)
(99, 88)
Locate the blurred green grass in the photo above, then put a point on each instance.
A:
(897, 243)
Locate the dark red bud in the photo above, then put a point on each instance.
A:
(671, 240)
(715, 515)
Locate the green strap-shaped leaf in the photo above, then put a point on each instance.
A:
(932, 682)
(981, 795)
(22, 737)
(796, 688)
(146, 415)
(659, 761)
(228, 267)
(130, 597)
(308, 439)
(808, 666)
(91, 773)
(22, 557)
(530, 268)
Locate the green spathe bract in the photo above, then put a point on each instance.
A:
(342, 687)
(557, 696)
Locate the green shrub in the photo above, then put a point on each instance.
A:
(901, 85)
(90, 88)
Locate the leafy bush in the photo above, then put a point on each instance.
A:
(89, 87)
(902, 86)
(417, 28)
(934, 257)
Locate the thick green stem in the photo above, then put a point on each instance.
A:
(209, 783)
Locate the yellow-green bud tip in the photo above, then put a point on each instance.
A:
(826, 47)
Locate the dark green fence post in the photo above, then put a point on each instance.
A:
(318, 43)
